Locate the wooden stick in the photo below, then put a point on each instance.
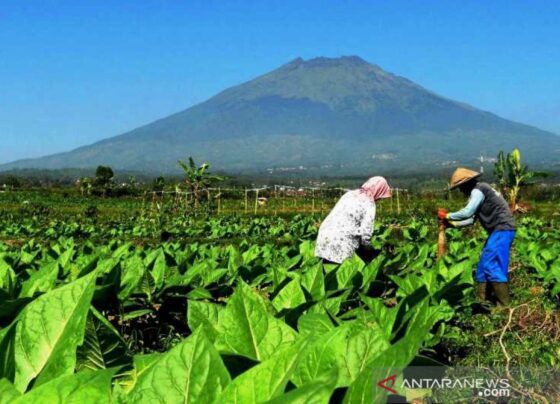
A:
(441, 240)
(256, 201)
(313, 201)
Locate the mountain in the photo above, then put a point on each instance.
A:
(330, 114)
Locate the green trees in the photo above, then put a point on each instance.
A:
(512, 176)
(12, 182)
(104, 178)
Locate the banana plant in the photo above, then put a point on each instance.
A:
(512, 176)
(198, 179)
(86, 185)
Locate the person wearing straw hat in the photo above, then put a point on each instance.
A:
(349, 226)
(493, 212)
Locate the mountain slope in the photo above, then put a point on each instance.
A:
(322, 112)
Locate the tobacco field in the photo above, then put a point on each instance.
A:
(237, 309)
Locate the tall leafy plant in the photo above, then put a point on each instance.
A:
(501, 172)
(198, 179)
(86, 185)
(512, 175)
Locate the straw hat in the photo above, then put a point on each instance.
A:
(462, 175)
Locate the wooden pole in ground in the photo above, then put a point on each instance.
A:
(441, 239)
(275, 201)
(256, 201)
(154, 203)
(219, 197)
(246, 200)
(313, 201)
(398, 203)
(143, 203)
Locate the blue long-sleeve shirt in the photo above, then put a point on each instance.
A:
(465, 216)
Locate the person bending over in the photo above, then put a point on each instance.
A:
(349, 226)
(492, 211)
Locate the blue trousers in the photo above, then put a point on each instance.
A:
(494, 261)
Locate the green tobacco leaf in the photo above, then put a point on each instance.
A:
(371, 270)
(48, 331)
(347, 270)
(407, 285)
(318, 392)
(383, 316)
(8, 392)
(82, 266)
(103, 346)
(313, 281)
(194, 273)
(279, 274)
(391, 361)
(136, 313)
(204, 314)
(360, 349)
(248, 329)
(235, 260)
(126, 379)
(324, 355)
(7, 363)
(330, 305)
(314, 323)
(64, 260)
(251, 254)
(122, 250)
(27, 258)
(191, 372)
(132, 274)
(291, 296)
(199, 294)
(213, 276)
(159, 268)
(146, 286)
(83, 387)
(265, 380)
(40, 281)
(307, 250)
(7, 277)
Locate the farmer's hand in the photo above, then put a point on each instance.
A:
(442, 214)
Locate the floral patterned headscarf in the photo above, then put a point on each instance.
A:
(376, 188)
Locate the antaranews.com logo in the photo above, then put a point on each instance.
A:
(483, 387)
(441, 384)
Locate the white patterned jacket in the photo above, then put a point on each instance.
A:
(347, 226)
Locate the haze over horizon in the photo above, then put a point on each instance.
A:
(73, 74)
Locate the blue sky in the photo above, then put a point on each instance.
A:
(73, 72)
